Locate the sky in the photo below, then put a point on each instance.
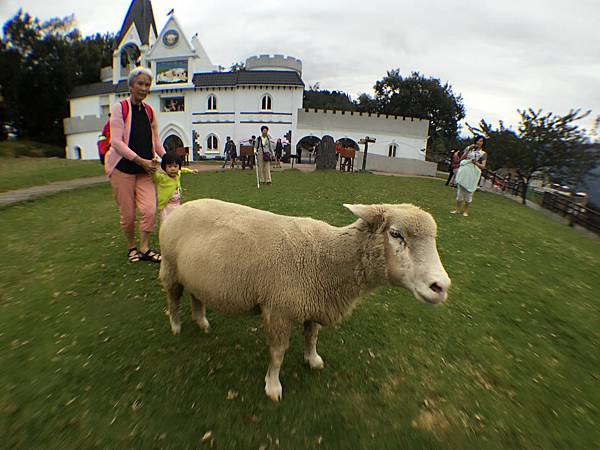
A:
(500, 56)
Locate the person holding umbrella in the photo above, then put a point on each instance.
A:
(264, 155)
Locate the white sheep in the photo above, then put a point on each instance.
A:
(235, 259)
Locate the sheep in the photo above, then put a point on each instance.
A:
(235, 259)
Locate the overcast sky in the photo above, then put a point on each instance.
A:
(500, 56)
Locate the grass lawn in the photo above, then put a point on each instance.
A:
(511, 361)
(17, 173)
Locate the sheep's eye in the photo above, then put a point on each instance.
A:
(396, 235)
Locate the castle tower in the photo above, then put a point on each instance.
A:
(138, 34)
(274, 62)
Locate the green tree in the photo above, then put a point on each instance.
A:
(323, 99)
(421, 97)
(545, 143)
(41, 63)
(238, 67)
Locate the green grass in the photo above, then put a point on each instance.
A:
(18, 173)
(511, 361)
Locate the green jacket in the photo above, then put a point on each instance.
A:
(166, 186)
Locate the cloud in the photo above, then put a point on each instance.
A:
(499, 55)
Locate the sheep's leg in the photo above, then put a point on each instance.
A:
(311, 333)
(174, 293)
(278, 332)
(199, 314)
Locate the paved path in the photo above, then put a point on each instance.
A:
(23, 195)
(27, 194)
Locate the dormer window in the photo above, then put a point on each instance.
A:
(265, 103)
(212, 102)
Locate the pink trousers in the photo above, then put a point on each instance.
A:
(133, 191)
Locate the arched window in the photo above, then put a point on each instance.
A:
(77, 153)
(265, 103)
(212, 143)
(212, 102)
(392, 150)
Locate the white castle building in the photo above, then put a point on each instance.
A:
(198, 106)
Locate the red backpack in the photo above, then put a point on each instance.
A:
(104, 141)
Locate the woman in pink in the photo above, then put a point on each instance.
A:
(130, 162)
(455, 156)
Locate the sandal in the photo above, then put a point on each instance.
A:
(150, 255)
(133, 255)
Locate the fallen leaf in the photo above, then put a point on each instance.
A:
(207, 436)
(231, 395)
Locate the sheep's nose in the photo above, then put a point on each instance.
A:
(440, 287)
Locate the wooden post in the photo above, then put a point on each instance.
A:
(366, 141)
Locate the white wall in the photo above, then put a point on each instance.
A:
(237, 101)
(403, 166)
(86, 141)
(407, 147)
(410, 135)
(85, 106)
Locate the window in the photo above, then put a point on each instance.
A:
(212, 102)
(212, 143)
(265, 103)
(77, 153)
(172, 104)
(392, 150)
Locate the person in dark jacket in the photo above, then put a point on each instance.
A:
(278, 152)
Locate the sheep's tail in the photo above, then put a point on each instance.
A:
(167, 274)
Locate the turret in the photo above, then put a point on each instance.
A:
(274, 62)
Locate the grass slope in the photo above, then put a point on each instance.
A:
(18, 173)
(511, 361)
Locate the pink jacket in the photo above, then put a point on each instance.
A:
(119, 137)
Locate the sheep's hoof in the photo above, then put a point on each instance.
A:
(274, 390)
(175, 328)
(314, 361)
(204, 325)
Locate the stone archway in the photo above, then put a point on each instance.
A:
(306, 145)
(172, 143)
(349, 143)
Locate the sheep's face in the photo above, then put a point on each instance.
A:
(411, 257)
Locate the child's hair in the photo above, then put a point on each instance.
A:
(170, 158)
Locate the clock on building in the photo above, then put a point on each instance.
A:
(170, 38)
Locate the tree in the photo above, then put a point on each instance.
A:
(421, 97)
(41, 63)
(503, 144)
(595, 133)
(323, 99)
(545, 144)
(238, 66)
(366, 103)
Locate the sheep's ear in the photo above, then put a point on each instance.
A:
(372, 214)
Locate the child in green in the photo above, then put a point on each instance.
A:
(168, 184)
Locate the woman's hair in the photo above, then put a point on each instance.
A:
(477, 138)
(136, 72)
(264, 127)
(170, 158)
